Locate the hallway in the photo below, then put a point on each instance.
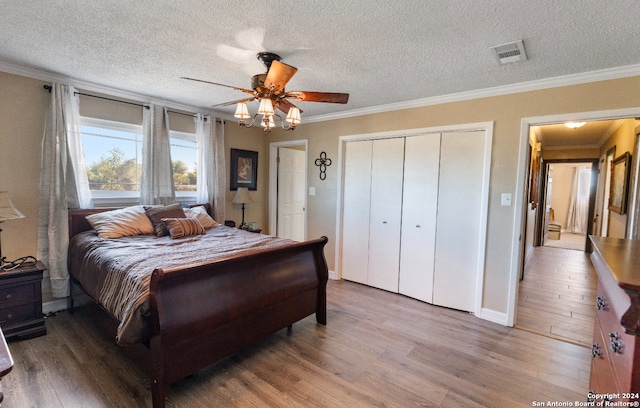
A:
(557, 296)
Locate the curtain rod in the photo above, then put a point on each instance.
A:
(48, 88)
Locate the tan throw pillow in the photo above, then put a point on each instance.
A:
(183, 227)
(200, 213)
(157, 212)
(123, 222)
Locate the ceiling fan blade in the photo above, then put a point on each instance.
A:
(284, 105)
(249, 91)
(329, 97)
(278, 76)
(234, 102)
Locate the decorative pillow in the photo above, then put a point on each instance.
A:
(157, 212)
(183, 227)
(200, 213)
(123, 222)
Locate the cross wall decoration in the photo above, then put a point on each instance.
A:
(323, 161)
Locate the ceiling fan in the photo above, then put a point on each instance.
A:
(268, 88)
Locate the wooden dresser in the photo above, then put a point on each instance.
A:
(615, 365)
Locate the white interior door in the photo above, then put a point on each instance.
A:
(355, 216)
(387, 162)
(458, 221)
(291, 194)
(419, 210)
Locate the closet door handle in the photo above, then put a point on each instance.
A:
(384, 222)
(418, 226)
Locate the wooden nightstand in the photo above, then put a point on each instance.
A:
(21, 302)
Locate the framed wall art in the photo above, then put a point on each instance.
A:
(619, 183)
(244, 169)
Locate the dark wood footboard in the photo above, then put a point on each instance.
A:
(203, 313)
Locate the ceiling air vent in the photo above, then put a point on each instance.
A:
(511, 52)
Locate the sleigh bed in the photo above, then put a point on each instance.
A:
(196, 313)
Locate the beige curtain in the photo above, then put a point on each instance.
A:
(61, 187)
(211, 170)
(156, 184)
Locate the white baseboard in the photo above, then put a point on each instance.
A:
(333, 275)
(493, 316)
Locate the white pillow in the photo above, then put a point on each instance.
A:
(123, 222)
(200, 213)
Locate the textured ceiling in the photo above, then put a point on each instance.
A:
(379, 52)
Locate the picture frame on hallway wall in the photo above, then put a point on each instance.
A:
(619, 183)
(243, 169)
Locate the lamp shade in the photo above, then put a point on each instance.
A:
(7, 210)
(293, 116)
(266, 107)
(242, 196)
(242, 111)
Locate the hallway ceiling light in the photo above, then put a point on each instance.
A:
(574, 125)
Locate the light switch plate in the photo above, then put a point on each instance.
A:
(505, 200)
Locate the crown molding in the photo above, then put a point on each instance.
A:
(93, 87)
(547, 83)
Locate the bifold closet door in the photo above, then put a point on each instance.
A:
(458, 220)
(419, 210)
(386, 213)
(355, 215)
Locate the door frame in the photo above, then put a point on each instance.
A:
(518, 231)
(486, 127)
(273, 180)
(540, 224)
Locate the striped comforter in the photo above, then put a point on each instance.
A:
(116, 272)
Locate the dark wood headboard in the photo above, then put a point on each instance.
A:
(78, 222)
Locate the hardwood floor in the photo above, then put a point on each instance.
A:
(557, 296)
(378, 349)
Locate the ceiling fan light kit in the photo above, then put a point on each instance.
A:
(268, 88)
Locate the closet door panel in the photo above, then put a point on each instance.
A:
(419, 209)
(458, 220)
(355, 216)
(386, 213)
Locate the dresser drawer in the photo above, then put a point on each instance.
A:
(602, 378)
(620, 346)
(17, 314)
(17, 295)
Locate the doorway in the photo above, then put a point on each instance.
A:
(287, 189)
(522, 203)
(569, 202)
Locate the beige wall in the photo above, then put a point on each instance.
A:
(623, 139)
(506, 112)
(24, 104)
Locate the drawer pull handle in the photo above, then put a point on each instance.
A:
(9, 296)
(615, 346)
(595, 350)
(9, 316)
(600, 302)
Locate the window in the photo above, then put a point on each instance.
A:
(184, 160)
(113, 158)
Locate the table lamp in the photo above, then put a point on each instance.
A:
(242, 197)
(7, 212)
